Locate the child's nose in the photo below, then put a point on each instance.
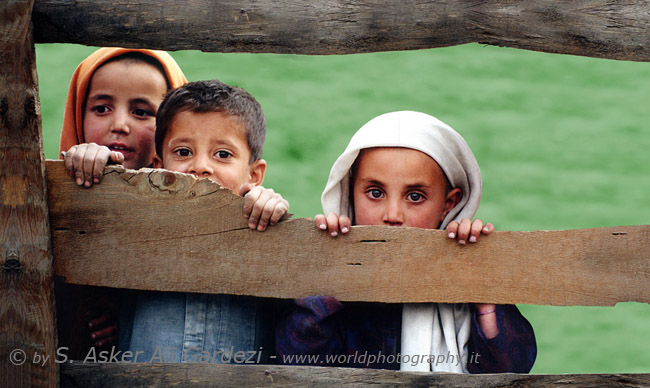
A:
(120, 122)
(202, 167)
(393, 214)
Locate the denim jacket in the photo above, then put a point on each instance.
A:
(185, 327)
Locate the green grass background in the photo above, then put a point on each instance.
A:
(562, 142)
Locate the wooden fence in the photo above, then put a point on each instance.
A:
(40, 207)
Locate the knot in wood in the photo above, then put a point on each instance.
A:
(30, 105)
(169, 179)
(4, 106)
(12, 265)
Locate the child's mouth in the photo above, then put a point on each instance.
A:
(119, 148)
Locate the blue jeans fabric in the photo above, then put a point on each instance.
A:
(185, 327)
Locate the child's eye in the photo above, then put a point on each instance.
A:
(184, 152)
(374, 193)
(99, 109)
(142, 112)
(415, 197)
(221, 154)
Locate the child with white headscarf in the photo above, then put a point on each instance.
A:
(407, 169)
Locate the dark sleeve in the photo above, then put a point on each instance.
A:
(513, 350)
(306, 330)
(358, 335)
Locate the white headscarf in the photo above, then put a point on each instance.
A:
(434, 329)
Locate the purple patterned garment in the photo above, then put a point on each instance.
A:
(323, 331)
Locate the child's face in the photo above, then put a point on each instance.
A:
(121, 107)
(210, 145)
(400, 187)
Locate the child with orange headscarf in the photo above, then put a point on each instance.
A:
(111, 109)
(109, 115)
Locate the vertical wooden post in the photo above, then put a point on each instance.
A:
(27, 329)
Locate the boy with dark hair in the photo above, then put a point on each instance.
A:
(217, 131)
(212, 130)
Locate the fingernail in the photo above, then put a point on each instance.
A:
(472, 239)
(87, 183)
(96, 180)
(461, 242)
(485, 229)
(80, 181)
(334, 234)
(452, 235)
(344, 230)
(322, 226)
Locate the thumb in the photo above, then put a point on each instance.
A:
(117, 157)
(243, 189)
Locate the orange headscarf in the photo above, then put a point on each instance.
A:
(72, 132)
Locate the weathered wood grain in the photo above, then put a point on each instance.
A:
(595, 28)
(208, 376)
(160, 230)
(26, 310)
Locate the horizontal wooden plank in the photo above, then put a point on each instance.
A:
(596, 28)
(223, 375)
(159, 230)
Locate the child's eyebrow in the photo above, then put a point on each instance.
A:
(140, 100)
(418, 186)
(184, 139)
(188, 138)
(101, 97)
(372, 182)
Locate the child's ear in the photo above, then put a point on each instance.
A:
(256, 172)
(157, 162)
(453, 198)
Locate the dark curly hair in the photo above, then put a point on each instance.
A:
(214, 96)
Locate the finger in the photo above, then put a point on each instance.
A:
(475, 230)
(78, 164)
(258, 208)
(269, 209)
(463, 230)
(266, 214)
(103, 333)
(244, 189)
(344, 224)
(117, 157)
(106, 342)
(89, 160)
(250, 197)
(333, 224)
(488, 228)
(68, 160)
(281, 208)
(321, 222)
(100, 320)
(103, 155)
(452, 229)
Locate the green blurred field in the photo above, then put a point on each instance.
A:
(562, 142)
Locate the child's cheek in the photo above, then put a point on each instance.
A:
(145, 147)
(94, 130)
